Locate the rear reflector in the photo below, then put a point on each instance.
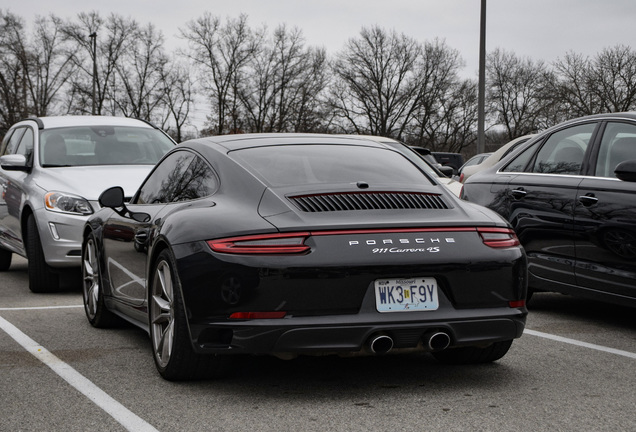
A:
(258, 315)
(517, 304)
(498, 237)
(272, 244)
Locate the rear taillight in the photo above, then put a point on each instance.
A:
(498, 237)
(268, 244)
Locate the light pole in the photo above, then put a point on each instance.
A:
(93, 37)
(481, 98)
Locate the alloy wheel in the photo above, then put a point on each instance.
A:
(90, 277)
(162, 318)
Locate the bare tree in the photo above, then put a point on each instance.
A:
(310, 112)
(444, 102)
(140, 71)
(33, 70)
(281, 86)
(221, 52)
(178, 98)
(13, 104)
(50, 65)
(516, 92)
(376, 82)
(573, 85)
(605, 83)
(114, 35)
(614, 78)
(452, 127)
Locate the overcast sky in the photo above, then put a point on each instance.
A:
(539, 29)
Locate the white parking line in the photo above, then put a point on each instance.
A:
(120, 413)
(41, 307)
(581, 344)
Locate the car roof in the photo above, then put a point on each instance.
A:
(79, 120)
(242, 141)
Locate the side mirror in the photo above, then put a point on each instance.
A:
(446, 170)
(14, 162)
(112, 197)
(626, 171)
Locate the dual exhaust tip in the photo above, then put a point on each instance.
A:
(433, 341)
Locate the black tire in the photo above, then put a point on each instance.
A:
(529, 295)
(5, 259)
(93, 287)
(172, 350)
(473, 355)
(42, 278)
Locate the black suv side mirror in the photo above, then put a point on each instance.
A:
(626, 170)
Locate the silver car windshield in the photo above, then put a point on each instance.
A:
(102, 145)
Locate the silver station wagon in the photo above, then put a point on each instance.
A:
(52, 172)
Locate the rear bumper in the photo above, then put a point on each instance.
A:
(332, 309)
(341, 334)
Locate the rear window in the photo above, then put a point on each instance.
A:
(102, 145)
(317, 164)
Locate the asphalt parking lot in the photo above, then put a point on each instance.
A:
(573, 370)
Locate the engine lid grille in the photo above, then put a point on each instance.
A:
(346, 201)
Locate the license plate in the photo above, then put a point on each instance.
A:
(406, 295)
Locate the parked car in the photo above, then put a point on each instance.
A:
(492, 158)
(475, 160)
(570, 194)
(426, 154)
(453, 160)
(52, 172)
(290, 244)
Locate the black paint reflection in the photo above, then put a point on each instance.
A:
(184, 183)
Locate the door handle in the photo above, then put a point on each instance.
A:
(588, 199)
(518, 193)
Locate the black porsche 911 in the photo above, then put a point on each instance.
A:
(289, 244)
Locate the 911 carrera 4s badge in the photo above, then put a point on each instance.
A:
(406, 295)
(404, 245)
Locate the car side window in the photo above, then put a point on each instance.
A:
(182, 176)
(164, 181)
(5, 142)
(519, 163)
(25, 147)
(618, 145)
(563, 151)
(14, 140)
(199, 181)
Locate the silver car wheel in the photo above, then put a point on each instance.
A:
(90, 276)
(162, 313)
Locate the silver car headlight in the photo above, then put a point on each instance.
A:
(66, 203)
